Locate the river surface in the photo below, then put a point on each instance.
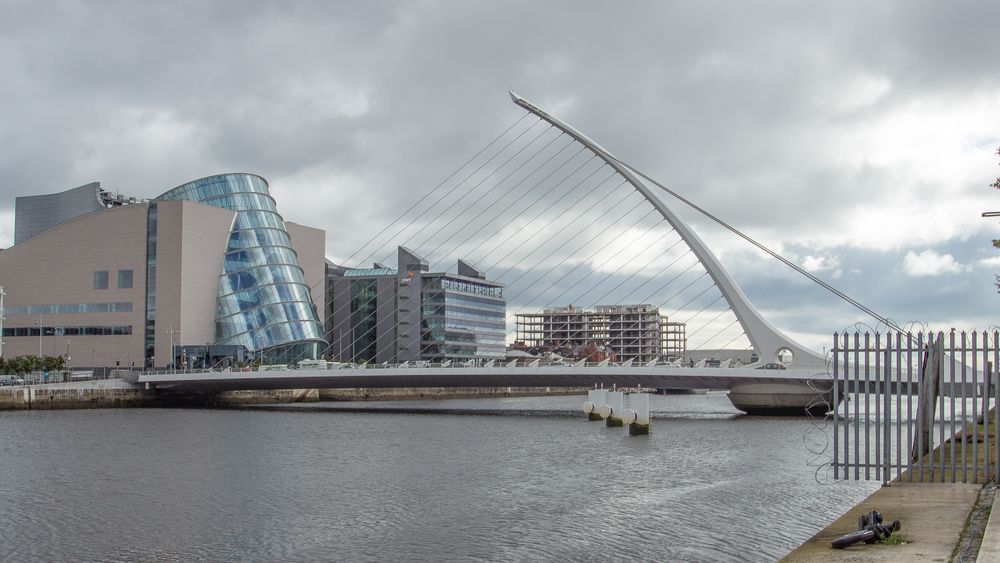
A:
(510, 480)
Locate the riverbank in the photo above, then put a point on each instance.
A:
(940, 520)
(118, 393)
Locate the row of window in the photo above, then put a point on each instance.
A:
(261, 275)
(260, 295)
(263, 316)
(121, 330)
(216, 186)
(454, 313)
(258, 237)
(272, 335)
(451, 298)
(247, 258)
(464, 286)
(481, 326)
(241, 201)
(62, 308)
(101, 279)
(434, 336)
(254, 218)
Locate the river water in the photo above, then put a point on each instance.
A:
(510, 480)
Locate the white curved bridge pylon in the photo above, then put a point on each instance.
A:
(765, 338)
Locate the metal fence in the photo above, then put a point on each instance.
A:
(916, 407)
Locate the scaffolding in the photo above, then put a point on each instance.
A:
(636, 332)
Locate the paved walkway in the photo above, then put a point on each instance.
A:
(932, 516)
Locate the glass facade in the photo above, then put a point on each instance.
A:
(462, 319)
(264, 302)
(364, 305)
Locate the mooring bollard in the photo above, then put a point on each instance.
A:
(636, 416)
(595, 400)
(612, 410)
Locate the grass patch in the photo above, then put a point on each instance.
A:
(895, 538)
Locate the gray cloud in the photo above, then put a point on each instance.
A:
(818, 128)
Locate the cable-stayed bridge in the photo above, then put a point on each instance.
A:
(557, 220)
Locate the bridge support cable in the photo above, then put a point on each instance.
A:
(764, 337)
(538, 264)
(586, 261)
(567, 241)
(469, 192)
(889, 323)
(494, 218)
(426, 196)
(525, 258)
(476, 218)
(579, 183)
(474, 199)
(534, 233)
(532, 273)
(597, 284)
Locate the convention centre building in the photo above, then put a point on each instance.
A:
(206, 274)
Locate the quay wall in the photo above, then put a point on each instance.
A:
(117, 393)
(121, 394)
(415, 393)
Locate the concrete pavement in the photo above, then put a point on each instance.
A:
(932, 516)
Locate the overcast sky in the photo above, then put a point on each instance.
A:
(857, 138)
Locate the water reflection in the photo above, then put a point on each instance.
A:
(319, 485)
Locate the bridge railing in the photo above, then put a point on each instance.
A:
(916, 407)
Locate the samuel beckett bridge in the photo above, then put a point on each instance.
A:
(555, 220)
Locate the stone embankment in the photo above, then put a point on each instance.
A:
(408, 393)
(118, 393)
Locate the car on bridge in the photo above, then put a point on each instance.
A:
(772, 365)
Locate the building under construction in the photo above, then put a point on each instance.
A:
(636, 332)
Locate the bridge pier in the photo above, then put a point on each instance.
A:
(783, 399)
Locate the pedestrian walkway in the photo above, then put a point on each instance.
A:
(932, 516)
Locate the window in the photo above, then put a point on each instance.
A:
(101, 279)
(124, 279)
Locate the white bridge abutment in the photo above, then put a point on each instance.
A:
(783, 399)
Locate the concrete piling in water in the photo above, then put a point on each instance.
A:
(636, 416)
(596, 398)
(612, 410)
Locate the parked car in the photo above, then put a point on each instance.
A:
(12, 380)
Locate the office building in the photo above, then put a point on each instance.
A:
(407, 313)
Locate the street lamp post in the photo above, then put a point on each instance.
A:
(40, 335)
(92, 364)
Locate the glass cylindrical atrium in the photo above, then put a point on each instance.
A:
(264, 302)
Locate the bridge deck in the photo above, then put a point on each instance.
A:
(659, 377)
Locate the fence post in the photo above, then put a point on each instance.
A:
(887, 411)
(836, 406)
(996, 404)
(926, 402)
